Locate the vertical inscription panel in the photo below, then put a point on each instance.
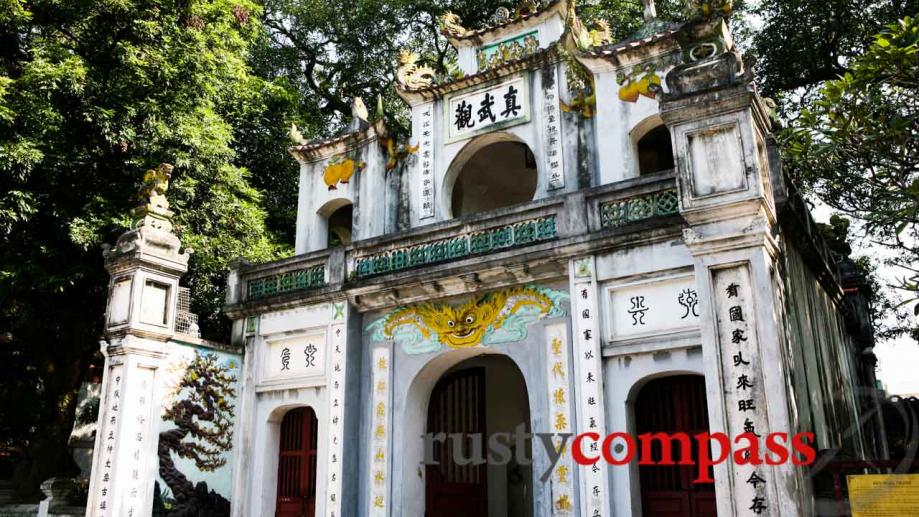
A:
(742, 385)
(136, 457)
(425, 162)
(101, 501)
(558, 375)
(380, 431)
(589, 382)
(336, 388)
(555, 164)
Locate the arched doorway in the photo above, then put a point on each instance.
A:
(482, 396)
(673, 405)
(297, 464)
(492, 173)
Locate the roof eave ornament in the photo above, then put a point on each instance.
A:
(708, 9)
(585, 38)
(412, 76)
(451, 26)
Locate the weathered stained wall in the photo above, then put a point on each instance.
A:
(370, 190)
(822, 357)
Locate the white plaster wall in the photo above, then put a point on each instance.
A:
(530, 133)
(643, 260)
(366, 190)
(615, 121)
(262, 407)
(445, 154)
(415, 377)
(623, 378)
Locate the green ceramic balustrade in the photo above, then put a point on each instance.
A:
(619, 213)
(456, 248)
(302, 279)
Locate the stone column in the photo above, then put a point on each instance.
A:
(144, 266)
(588, 367)
(719, 129)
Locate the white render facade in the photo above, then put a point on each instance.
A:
(549, 264)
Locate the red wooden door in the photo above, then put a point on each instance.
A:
(457, 406)
(297, 464)
(674, 405)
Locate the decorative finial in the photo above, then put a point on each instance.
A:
(502, 15)
(650, 10)
(295, 135)
(359, 115)
(412, 75)
(379, 114)
(451, 25)
(706, 9)
(155, 185)
(584, 38)
(154, 210)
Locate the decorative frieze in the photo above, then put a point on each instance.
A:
(463, 246)
(492, 318)
(307, 278)
(491, 56)
(619, 213)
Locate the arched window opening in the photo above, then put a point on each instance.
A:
(341, 222)
(655, 151)
(498, 175)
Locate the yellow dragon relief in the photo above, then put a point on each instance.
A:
(465, 326)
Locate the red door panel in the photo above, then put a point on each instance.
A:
(673, 405)
(457, 406)
(297, 464)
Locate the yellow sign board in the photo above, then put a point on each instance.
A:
(895, 495)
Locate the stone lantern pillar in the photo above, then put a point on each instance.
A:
(144, 266)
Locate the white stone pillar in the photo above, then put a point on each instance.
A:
(585, 317)
(719, 129)
(144, 266)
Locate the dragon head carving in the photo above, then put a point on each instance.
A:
(412, 75)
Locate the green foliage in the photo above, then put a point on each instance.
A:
(92, 93)
(803, 43)
(857, 143)
(333, 50)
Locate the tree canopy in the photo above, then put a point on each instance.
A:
(857, 144)
(92, 93)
